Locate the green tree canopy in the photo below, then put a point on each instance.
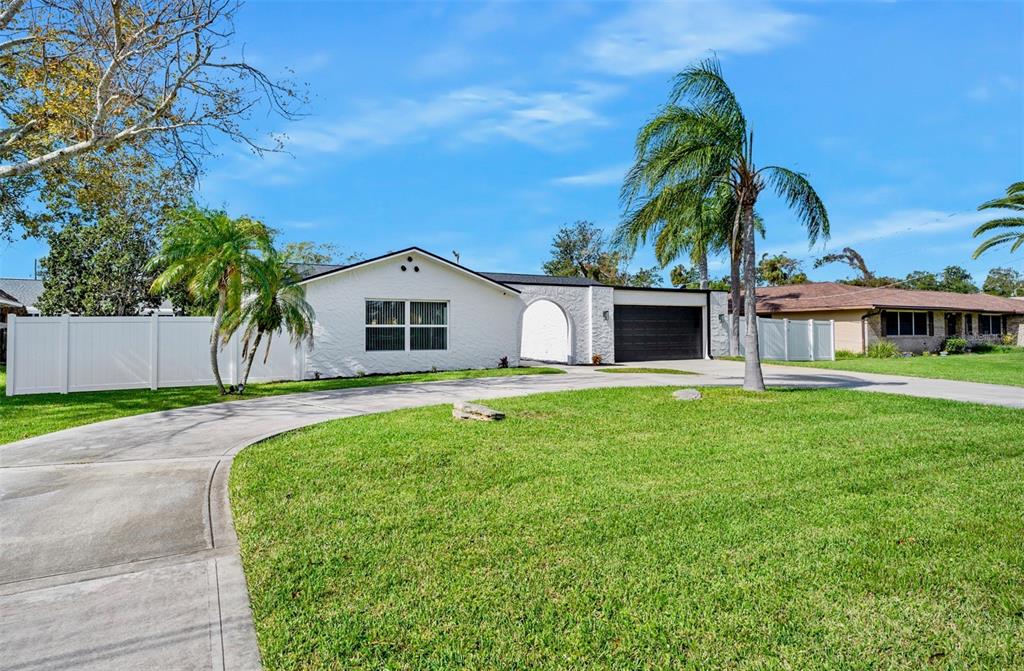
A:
(581, 250)
(780, 269)
(1004, 282)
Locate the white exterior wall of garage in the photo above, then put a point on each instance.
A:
(591, 314)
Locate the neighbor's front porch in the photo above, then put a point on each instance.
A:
(926, 330)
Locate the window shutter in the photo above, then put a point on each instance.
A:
(1003, 330)
(931, 323)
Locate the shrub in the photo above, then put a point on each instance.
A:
(954, 345)
(596, 359)
(847, 354)
(883, 349)
(1009, 339)
(982, 347)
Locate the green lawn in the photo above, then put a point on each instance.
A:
(994, 368)
(36, 414)
(661, 371)
(621, 529)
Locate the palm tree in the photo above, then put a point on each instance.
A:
(1014, 200)
(274, 303)
(699, 144)
(213, 255)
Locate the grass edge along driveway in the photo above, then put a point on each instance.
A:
(1006, 368)
(619, 528)
(36, 414)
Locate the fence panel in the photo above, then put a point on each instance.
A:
(66, 354)
(792, 339)
(824, 340)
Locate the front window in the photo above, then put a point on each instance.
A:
(385, 326)
(399, 325)
(990, 324)
(907, 323)
(428, 325)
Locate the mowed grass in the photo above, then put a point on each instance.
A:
(641, 369)
(36, 414)
(621, 529)
(993, 368)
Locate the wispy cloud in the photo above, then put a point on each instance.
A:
(901, 224)
(993, 87)
(472, 114)
(603, 177)
(665, 37)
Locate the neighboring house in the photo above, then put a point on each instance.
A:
(916, 321)
(411, 310)
(25, 292)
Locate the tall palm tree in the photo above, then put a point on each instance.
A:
(214, 255)
(275, 302)
(700, 143)
(1013, 200)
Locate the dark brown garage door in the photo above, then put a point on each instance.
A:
(649, 333)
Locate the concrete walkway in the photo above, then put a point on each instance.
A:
(118, 550)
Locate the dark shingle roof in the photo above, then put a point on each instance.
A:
(523, 278)
(309, 269)
(24, 290)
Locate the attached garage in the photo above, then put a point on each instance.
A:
(658, 332)
(660, 324)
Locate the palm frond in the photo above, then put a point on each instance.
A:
(798, 193)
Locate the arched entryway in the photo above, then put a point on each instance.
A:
(546, 332)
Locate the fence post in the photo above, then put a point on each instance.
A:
(810, 337)
(154, 352)
(785, 339)
(64, 355)
(12, 328)
(832, 332)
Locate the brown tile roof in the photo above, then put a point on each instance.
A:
(835, 296)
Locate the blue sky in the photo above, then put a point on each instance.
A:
(483, 128)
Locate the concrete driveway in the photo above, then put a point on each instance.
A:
(118, 550)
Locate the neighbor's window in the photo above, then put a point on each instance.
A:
(970, 324)
(428, 325)
(385, 326)
(907, 323)
(990, 324)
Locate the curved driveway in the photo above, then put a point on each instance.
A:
(117, 544)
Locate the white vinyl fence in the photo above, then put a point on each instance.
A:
(793, 339)
(66, 354)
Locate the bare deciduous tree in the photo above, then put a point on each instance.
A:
(80, 75)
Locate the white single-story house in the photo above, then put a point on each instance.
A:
(411, 310)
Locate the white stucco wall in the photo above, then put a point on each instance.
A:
(602, 329)
(545, 332)
(483, 319)
(719, 320)
(575, 302)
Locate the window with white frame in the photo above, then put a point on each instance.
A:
(428, 325)
(399, 325)
(907, 323)
(385, 326)
(990, 324)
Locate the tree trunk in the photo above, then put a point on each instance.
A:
(734, 316)
(248, 361)
(753, 379)
(218, 319)
(702, 267)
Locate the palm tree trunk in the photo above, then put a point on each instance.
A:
(702, 267)
(734, 316)
(218, 319)
(753, 379)
(248, 361)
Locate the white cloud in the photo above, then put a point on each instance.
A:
(665, 37)
(603, 177)
(472, 114)
(992, 87)
(898, 224)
